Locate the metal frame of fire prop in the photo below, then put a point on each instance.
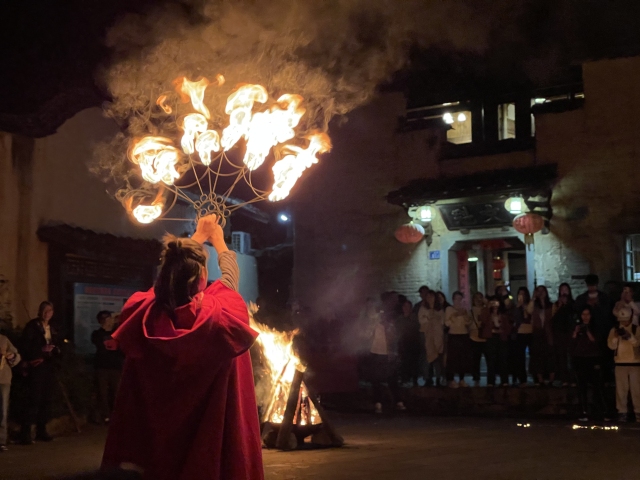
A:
(200, 172)
(292, 411)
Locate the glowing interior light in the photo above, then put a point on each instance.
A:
(425, 214)
(462, 117)
(514, 205)
(473, 258)
(539, 100)
(284, 217)
(448, 118)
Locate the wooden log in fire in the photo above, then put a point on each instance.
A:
(286, 427)
(327, 425)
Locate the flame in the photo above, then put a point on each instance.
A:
(282, 363)
(160, 103)
(239, 106)
(193, 124)
(287, 171)
(157, 158)
(269, 128)
(220, 79)
(207, 142)
(147, 213)
(195, 91)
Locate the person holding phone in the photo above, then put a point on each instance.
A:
(541, 362)
(587, 361)
(40, 346)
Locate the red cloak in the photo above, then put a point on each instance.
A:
(186, 406)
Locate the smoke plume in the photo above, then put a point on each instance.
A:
(332, 52)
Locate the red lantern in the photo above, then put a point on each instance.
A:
(528, 224)
(498, 264)
(409, 233)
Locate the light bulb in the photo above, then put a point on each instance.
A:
(448, 118)
(462, 117)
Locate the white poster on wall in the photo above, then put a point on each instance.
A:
(88, 300)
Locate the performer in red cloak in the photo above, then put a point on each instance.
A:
(186, 406)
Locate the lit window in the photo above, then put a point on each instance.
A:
(460, 131)
(632, 259)
(506, 121)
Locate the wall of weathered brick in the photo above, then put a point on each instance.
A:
(345, 249)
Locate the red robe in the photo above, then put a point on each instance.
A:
(186, 407)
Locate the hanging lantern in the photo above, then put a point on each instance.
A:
(528, 224)
(498, 264)
(409, 233)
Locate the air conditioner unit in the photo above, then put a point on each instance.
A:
(241, 242)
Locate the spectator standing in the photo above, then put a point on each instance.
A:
(478, 343)
(624, 340)
(384, 354)
(108, 364)
(431, 319)
(40, 346)
(408, 343)
(524, 333)
(496, 328)
(587, 362)
(423, 365)
(457, 320)
(626, 300)
(562, 326)
(541, 361)
(9, 358)
(602, 319)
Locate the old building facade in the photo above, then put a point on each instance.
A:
(570, 151)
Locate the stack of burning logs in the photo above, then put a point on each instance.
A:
(303, 417)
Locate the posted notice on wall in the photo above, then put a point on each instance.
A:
(88, 300)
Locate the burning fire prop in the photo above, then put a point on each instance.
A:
(291, 412)
(198, 159)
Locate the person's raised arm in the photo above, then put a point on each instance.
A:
(226, 259)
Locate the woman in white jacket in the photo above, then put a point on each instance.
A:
(431, 318)
(457, 320)
(624, 340)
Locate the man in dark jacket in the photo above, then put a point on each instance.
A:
(602, 319)
(39, 347)
(108, 364)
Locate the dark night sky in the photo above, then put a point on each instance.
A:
(49, 47)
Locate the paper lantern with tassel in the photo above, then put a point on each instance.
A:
(528, 224)
(409, 233)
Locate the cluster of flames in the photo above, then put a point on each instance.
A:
(282, 364)
(158, 157)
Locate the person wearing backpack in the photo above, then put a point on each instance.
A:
(624, 340)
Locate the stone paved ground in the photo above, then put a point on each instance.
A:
(400, 448)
